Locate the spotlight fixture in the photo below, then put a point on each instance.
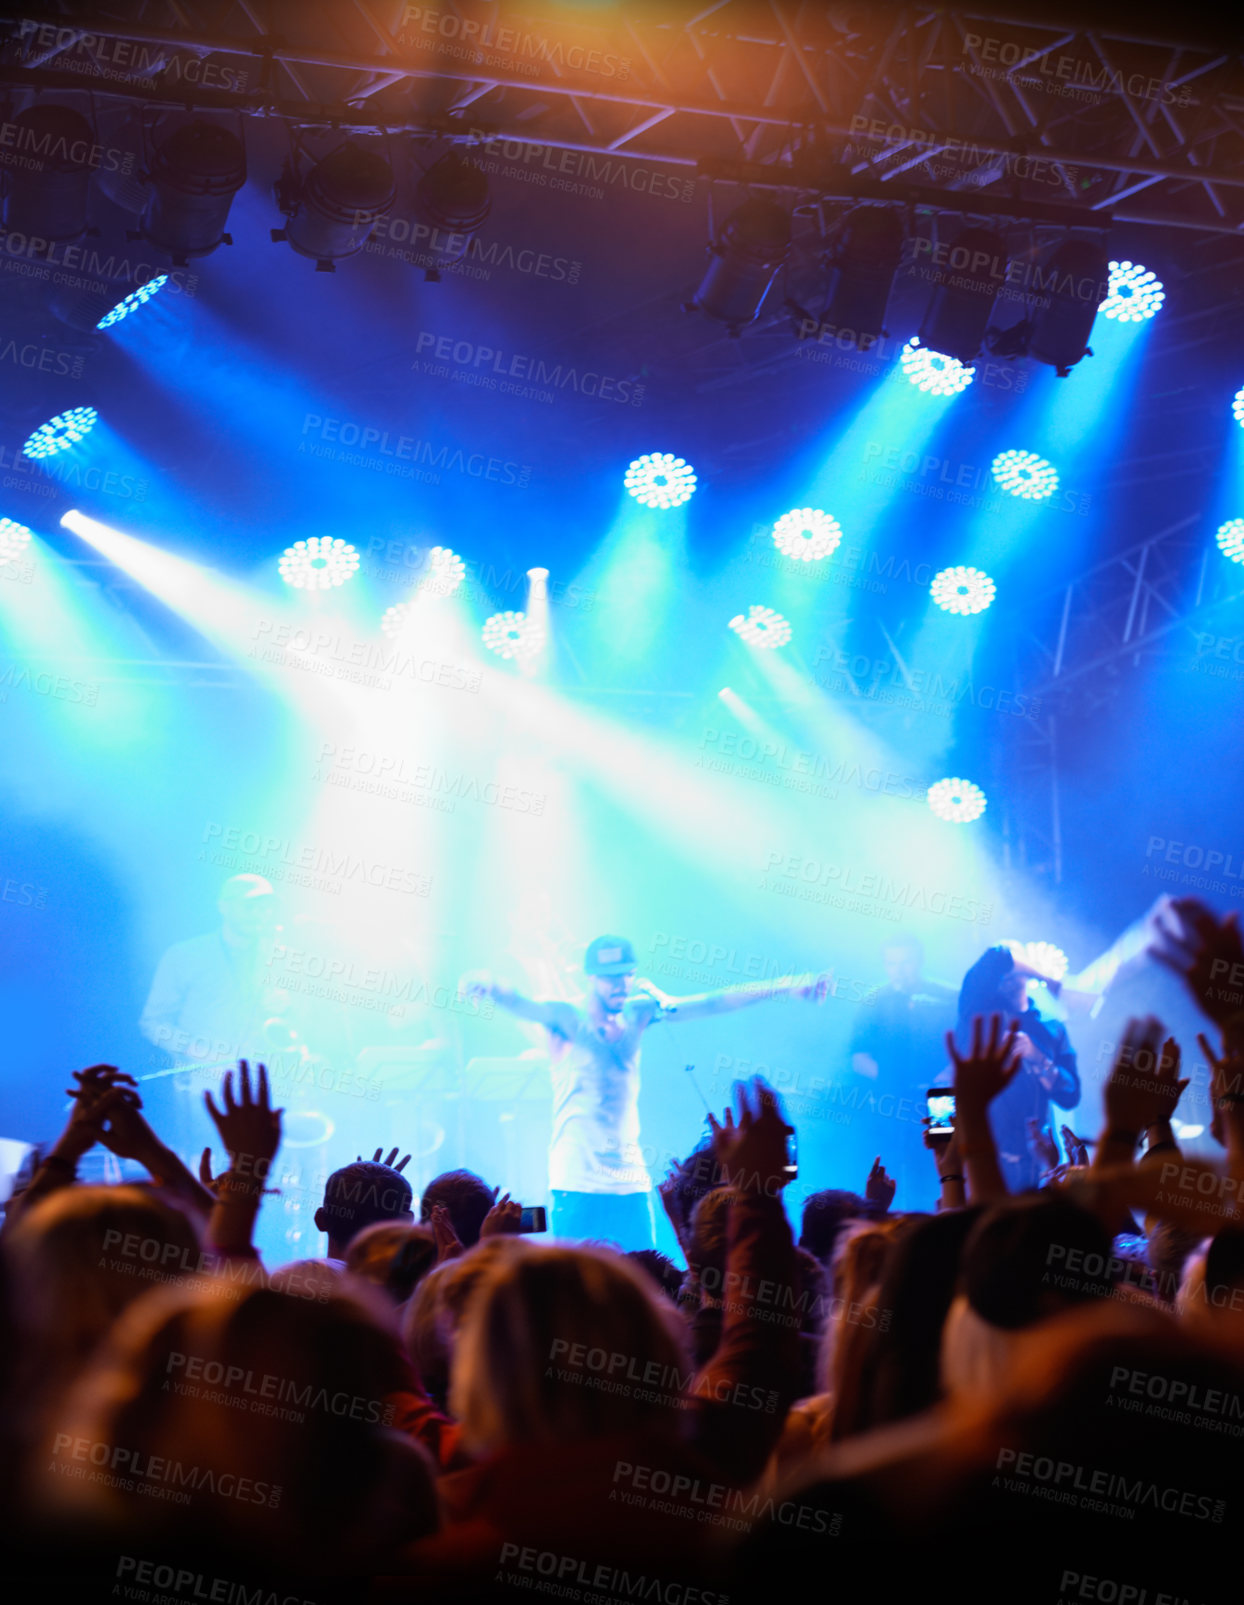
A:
(806, 534)
(659, 479)
(1072, 284)
(14, 538)
(751, 246)
(962, 590)
(1023, 473)
(965, 286)
(512, 635)
(1049, 960)
(1230, 539)
(863, 262)
(446, 571)
(958, 802)
(195, 174)
(61, 432)
(48, 173)
(131, 303)
(1237, 407)
(1134, 293)
(395, 619)
(318, 564)
(933, 371)
(333, 209)
(762, 627)
(452, 200)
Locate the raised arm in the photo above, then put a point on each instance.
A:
(812, 988)
(559, 1017)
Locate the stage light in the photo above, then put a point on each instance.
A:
(752, 245)
(863, 262)
(1023, 473)
(332, 211)
(452, 200)
(762, 627)
(933, 371)
(1044, 957)
(957, 801)
(14, 538)
(962, 590)
(1231, 539)
(195, 174)
(1073, 283)
(318, 564)
(1237, 407)
(512, 635)
(659, 479)
(48, 173)
(446, 571)
(133, 301)
(806, 534)
(395, 620)
(965, 286)
(61, 432)
(1134, 293)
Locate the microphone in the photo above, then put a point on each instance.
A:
(645, 989)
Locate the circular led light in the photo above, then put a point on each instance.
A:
(61, 432)
(1023, 473)
(762, 627)
(512, 635)
(1133, 293)
(806, 534)
(963, 590)
(957, 801)
(133, 301)
(395, 619)
(1046, 958)
(446, 571)
(1237, 407)
(14, 538)
(934, 372)
(660, 480)
(1230, 539)
(319, 563)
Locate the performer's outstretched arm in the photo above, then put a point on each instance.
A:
(554, 1016)
(813, 988)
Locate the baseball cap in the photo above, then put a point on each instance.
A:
(609, 955)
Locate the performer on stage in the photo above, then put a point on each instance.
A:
(597, 1177)
(208, 1000)
(998, 984)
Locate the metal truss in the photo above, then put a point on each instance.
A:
(953, 107)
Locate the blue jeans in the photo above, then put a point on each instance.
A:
(621, 1218)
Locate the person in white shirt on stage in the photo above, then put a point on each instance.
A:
(598, 1180)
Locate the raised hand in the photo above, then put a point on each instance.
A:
(988, 1068)
(752, 1150)
(880, 1188)
(1077, 1147)
(1144, 1085)
(1041, 1141)
(1208, 953)
(249, 1127)
(814, 988)
(475, 984)
(393, 1152)
(448, 1244)
(1226, 1096)
(503, 1219)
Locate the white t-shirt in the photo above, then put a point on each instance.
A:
(595, 1144)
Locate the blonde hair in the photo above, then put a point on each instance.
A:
(567, 1343)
